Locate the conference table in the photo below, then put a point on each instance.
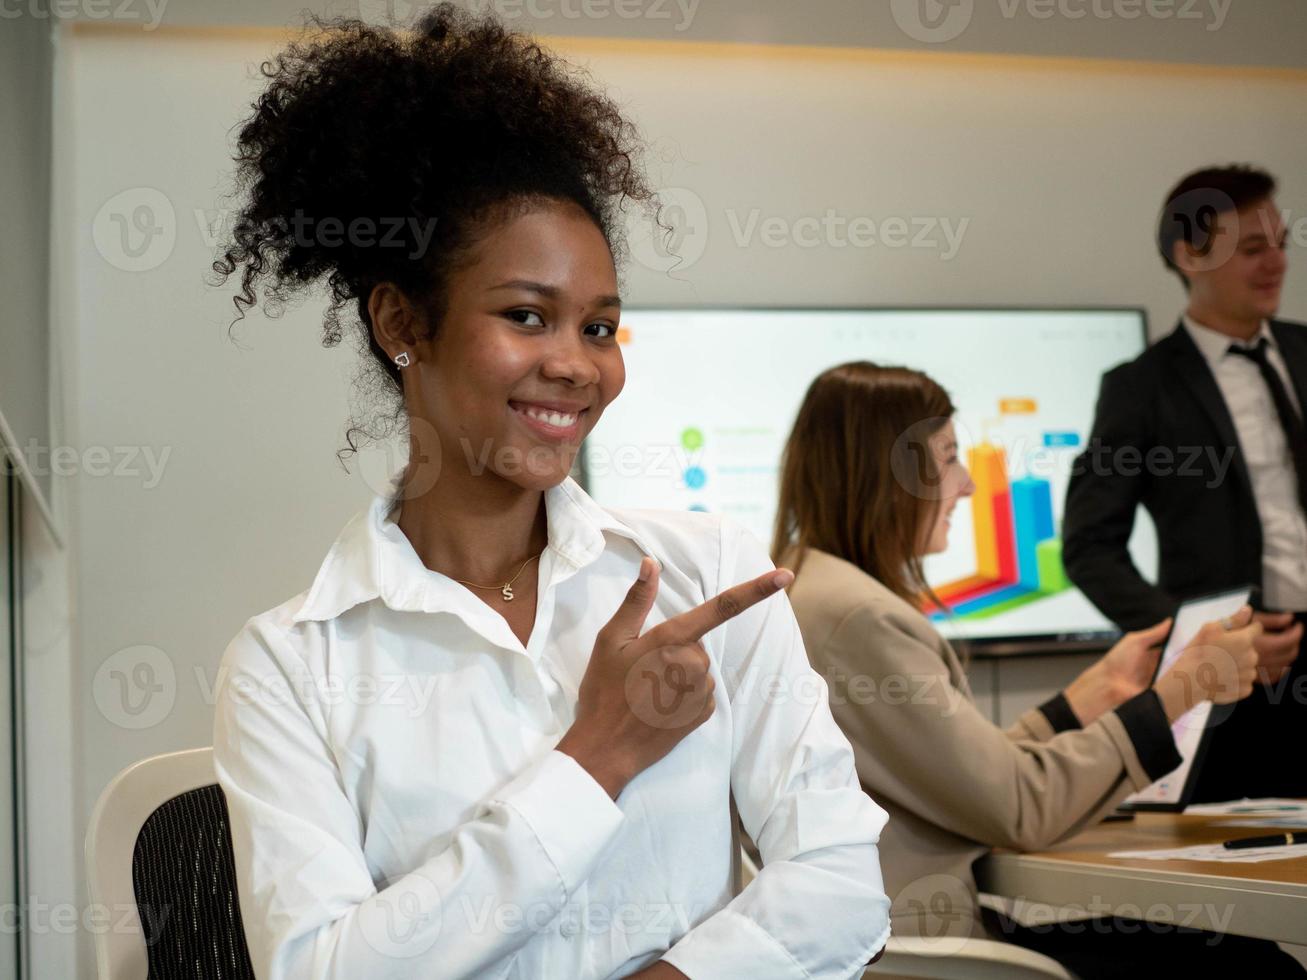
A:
(1076, 879)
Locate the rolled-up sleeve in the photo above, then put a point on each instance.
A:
(818, 908)
(310, 907)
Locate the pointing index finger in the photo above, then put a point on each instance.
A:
(690, 627)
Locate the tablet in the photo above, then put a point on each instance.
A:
(1173, 791)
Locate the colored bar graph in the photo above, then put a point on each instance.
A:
(1018, 556)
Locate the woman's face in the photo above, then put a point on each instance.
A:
(526, 358)
(954, 484)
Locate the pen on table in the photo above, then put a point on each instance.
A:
(1270, 840)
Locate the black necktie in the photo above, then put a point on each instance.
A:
(1295, 434)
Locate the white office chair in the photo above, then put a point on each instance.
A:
(159, 844)
(944, 959)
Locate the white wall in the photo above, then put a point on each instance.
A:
(1057, 166)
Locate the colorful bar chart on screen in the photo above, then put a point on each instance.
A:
(1018, 554)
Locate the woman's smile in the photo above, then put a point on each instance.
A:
(553, 420)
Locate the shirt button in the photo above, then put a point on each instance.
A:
(568, 928)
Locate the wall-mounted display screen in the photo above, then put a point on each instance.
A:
(711, 395)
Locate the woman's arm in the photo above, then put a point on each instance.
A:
(1120, 674)
(935, 754)
(310, 908)
(818, 908)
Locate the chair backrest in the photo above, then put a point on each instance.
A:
(159, 861)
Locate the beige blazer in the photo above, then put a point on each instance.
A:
(954, 784)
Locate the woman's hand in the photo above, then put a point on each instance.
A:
(642, 694)
(1220, 666)
(1120, 674)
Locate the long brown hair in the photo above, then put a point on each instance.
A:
(858, 479)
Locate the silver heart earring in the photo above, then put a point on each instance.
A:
(403, 359)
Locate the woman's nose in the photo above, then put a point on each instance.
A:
(568, 360)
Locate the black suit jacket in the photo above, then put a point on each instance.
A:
(1163, 437)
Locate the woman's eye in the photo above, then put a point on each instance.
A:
(522, 317)
(611, 330)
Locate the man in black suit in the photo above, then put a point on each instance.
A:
(1205, 430)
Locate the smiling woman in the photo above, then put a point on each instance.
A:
(596, 723)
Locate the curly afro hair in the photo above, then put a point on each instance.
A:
(377, 155)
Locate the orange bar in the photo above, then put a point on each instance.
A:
(988, 466)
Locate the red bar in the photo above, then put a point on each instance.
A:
(1005, 538)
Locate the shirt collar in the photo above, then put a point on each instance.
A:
(1216, 345)
(372, 558)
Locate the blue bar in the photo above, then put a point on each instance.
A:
(1032, 520)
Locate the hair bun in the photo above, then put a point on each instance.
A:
(375, 155)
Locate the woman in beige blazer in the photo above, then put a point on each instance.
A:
(869, 480)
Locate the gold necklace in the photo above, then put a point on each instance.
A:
(506, 590)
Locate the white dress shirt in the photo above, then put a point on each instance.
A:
(385, 745)
(1266, 452)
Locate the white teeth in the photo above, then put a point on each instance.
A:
(556, 419)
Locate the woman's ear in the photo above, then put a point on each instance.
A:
(395, 322)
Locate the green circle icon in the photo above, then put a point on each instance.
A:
(692, 438)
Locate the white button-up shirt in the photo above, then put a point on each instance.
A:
(1266, 453)
(398, 810)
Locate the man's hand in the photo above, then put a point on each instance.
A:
(1277, 647)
